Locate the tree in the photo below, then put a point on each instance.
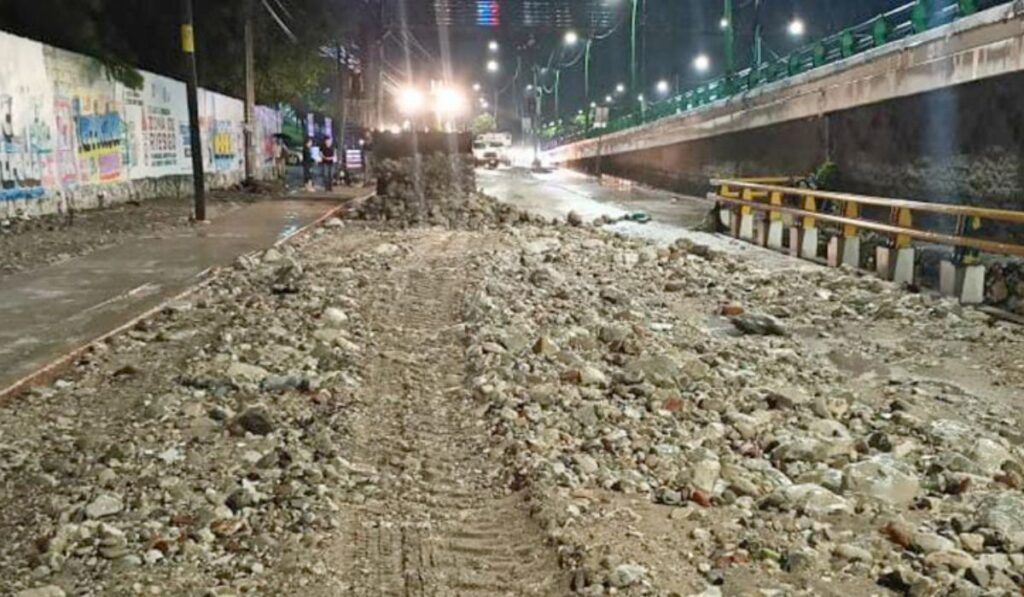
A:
(129, 34)
(484, 123)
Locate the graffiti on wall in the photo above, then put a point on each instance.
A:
(26, 134)
(100, 131)
(64, 125)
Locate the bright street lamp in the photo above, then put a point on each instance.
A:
(702, 63)
(449, 102)
(797, 27)
(608, 99)
(724, 23)
(476, 86)
(411, 101)
(571, 38)
(663, 87)
(620, 88)
(493, 46)
(492, 66)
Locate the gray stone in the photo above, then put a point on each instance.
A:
(814, 500)
(883, 478)
(626, 575)
(753, 324)
(931, 542)
(240, 373)
(106, 504)
(46, 591)
(255, 420)
(853, 553)
(334, 317)
(1004, 513)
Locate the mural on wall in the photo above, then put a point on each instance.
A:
(65, 125)
(26, 134)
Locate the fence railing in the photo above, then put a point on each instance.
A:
(846, 211)
(902, 22)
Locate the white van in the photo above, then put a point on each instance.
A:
(493, 149)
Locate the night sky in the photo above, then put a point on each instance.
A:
(674, 32)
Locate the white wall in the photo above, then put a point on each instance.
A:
(71, 137)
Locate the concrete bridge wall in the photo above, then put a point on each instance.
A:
(936, 117)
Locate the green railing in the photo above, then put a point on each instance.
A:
(907, 20)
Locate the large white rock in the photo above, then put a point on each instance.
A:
(883, 478)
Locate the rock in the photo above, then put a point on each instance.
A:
(1004, 513)
(545, 346)
(930, 542)
(853, 553)
(574, 219)
(883, 478)
(334, 317)
(387, 250)
(240, 373)
(586, 463)
(626, 575)
(988, 456)
(952, 559)
(106, 504)
(705, 473)
(255, 420)
(272, 256)
(812, 499)
(334, 223)
(758, 325)
(46, 591)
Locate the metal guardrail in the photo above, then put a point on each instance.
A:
(845, 210)
(902, 22)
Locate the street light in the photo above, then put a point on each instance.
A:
(723, 24)
(493, 46)
(449, 102)
(492, 66)
(476, 86)
(571, 38)
(411, 101)
(620, 88)
(608, 99)
(702, 63)
(797, 27)
(663, 87)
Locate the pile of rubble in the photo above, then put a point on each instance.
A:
(601, 368)
(1005, 286)
(435, 190)
(198, 446)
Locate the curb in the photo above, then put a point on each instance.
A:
(51, 370)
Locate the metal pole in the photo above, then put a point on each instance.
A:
(188, 46)
(558, 82)
(730, 38)
(250, 96)
(758, 43)
(339, 144)
(586, 82)
(537, 116)
(632, 44)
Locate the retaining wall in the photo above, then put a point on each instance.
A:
(72, 138)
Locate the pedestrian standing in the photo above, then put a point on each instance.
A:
(307, 164)
(329, 157)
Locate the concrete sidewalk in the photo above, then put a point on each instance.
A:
(49, 312)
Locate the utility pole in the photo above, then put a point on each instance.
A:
(730, 38)
(586, 80)
(342, 108)
(250, 96)
(632, 45)
(758, 42)
(188, 46)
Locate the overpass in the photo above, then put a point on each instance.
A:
(934, 116)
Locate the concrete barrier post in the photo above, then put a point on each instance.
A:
(966, 282)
